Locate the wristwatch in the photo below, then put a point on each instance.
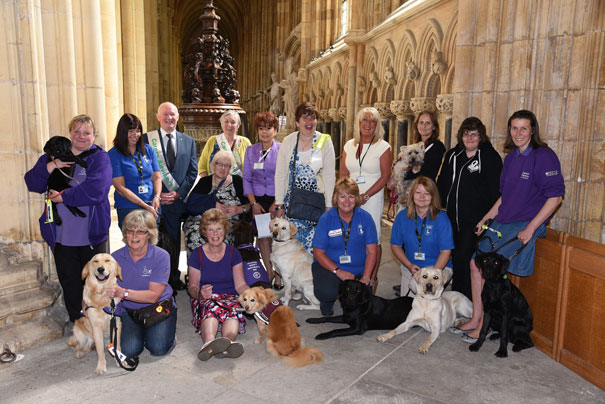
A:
(366, 197)
(335, 270)
(126, 293)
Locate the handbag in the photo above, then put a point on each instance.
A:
(149, 316)
(197, 204)
(304, 204)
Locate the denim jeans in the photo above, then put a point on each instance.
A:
(158, 339)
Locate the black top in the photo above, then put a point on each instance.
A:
(204, 186)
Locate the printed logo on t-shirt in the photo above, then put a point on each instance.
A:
(525, 175)
(82, 171)
(429, 229)
(552, 173)
(360, 229)
(146, 159)
(146, 271)
(474, 166)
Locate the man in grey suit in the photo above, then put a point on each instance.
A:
(178, 169)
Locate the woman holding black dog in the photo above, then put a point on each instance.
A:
(144, 286)
(468, 186)
(77, 239)
(532, 189)
(344, 246)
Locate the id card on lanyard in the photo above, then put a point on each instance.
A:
(362, 179)
(143, 189)
(419, 255)
(345, 258)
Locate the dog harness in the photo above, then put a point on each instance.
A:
(265, 313)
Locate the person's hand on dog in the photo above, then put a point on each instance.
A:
(115, 291)
(206, 291)
(280, 212)
(414, 269)
(344, 275)
(55, 196)
(56, 163)
(168, 198)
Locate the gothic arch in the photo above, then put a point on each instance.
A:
(405, 52)
(338, 86)
(449, 53)
(369, 67)
(326, 88)
(431, 40)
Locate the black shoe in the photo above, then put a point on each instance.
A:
(278, 287)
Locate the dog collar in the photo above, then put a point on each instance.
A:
(505, 276)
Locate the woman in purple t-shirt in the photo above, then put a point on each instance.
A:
(216, 277)
(532, 188)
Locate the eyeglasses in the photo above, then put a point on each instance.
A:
(307, 117)
(216, 231)
(222, 165)
(131, 232)
(470, 134)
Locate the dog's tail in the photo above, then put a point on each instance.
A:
(304, 357)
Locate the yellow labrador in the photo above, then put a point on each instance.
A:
(100, 273)
(432, 308)
(293, 263)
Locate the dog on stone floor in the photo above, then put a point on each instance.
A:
(243, 238)
(505, 309)
(409, 160)
(363, 311)
(100, 273)
(59, 148)
(276, 322)
(432, 308)
(293, 263)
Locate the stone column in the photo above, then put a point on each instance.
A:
(351, 90)
(335, 130)
(404, 115)
(445, 105)
(111, 69)
(386, 115)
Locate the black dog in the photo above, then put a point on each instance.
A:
(363, 311)
(505, 309)
(243, 238)
(59, 148)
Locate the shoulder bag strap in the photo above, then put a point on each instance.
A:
(294, 164)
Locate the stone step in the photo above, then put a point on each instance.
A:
(29, 334)
(20, 307)
(19, 277)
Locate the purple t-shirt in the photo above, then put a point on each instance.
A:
(218, 274)
(528, 179)
(153, 267)
(76, 227)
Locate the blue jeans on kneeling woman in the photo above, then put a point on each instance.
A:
(158, 339)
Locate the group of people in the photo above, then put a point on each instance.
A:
(154, 174)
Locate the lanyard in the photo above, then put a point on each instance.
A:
(347, 234)
(139, 165)
(262, 158)
(419, 235)
(359, 158)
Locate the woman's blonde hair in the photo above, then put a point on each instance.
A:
(222, 155)
(346, 185)
(378, 132)
(212, 216)
(140, 218)
(431, 187)
(82, 118)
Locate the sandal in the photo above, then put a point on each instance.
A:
(213, 347)
(235, 350)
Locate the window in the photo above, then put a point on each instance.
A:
(344, 20)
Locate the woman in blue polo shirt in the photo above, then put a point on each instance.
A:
(532, 188)
(422, 233)
(344, 245)
(136, 173)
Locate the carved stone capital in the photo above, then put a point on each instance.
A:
(302, 75)
(384, 110)
(420, 104)
(333, 112)
(445, 103)
(324, 115)
(342, 113)
(401, 108)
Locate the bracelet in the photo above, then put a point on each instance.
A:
(253, 203)
(278, 207)
(335, 270)
(157, 196)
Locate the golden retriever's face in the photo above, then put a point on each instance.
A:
(431, 281)
(282, 229)
(255, 299)
(102, 268)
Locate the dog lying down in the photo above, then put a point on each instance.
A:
(506, 311)
(432, 308)
(363, 311)
(100, 273)
(283, 338)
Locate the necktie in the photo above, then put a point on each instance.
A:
(170, 154)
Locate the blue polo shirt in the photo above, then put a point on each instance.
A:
(153, 267)
(329, 236)
(125, 166)
(527, 180)
(436, 236)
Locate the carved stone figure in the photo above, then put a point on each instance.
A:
(413, 72)
(275, 96)
(290, 97)
(389, 76)
(438, 65)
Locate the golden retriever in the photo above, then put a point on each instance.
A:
(432, 308)
(283, 338)
(100, 273)
(292, 262)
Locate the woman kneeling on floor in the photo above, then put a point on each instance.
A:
(216, 277)
(144, 283)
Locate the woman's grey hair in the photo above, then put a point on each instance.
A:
(220, 156)
(141, 219)
(234, 114)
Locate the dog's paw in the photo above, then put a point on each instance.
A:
(474, 347)
(424, 348)
(316, 320)
(495, 336)
(258, 340)
(80, 354)
(322, 336)
(384, 337)
(502, 353)
(101, 368)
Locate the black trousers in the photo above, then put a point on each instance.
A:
(70, 262)
(464, 242)
(325, 287)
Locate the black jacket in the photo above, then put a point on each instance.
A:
(469, 187)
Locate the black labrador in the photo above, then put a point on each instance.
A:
(59, 148)
(506, 311)
(363, 311)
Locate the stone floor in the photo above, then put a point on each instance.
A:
(356, 369)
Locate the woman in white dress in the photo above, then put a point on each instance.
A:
(367, 159)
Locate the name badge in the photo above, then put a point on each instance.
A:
(419, 256)
(345, 259)
(259, 166)
(143, 189)
(360, 180)
(335, 233)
